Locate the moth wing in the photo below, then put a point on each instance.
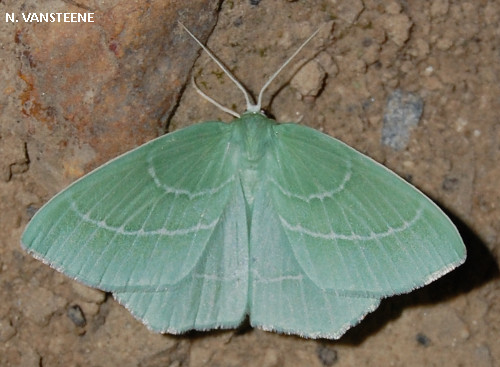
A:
(347, 232)
(163, 227)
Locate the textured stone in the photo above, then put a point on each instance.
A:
(397, 27)
(39, 304)
(403, 112)
(309, 80)
(7, 331)
(89, 294)
(95, 90)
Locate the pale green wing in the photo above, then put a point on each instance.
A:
(282, 297)
(348, 232)
(163, 227)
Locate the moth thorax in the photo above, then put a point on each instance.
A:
(255, 131)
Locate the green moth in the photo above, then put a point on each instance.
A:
(200, 228)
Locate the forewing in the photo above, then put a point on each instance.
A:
(161, 223)
(333, 232)
(354, 226)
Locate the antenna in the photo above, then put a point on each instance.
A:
(251, 107)
(213, 101)
(248, 98)
(269, 81)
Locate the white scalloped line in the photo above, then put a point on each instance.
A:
(141, 232)
(319, 195)
(216, 278)
(191, 195)
(351, 237)
(260, 279)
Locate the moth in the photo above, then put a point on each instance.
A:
(206, 226)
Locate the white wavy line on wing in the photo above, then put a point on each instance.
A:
(141, 232)
(351, 237)
(191, 195)
(319, 195)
